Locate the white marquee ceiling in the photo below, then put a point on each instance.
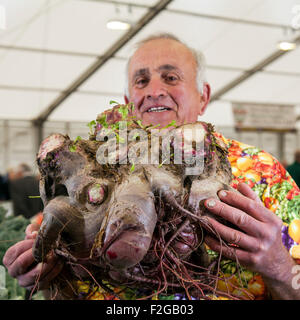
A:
(48, 44)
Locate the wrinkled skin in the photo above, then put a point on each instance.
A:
(111, 219)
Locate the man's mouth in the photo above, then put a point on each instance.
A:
(158, 109)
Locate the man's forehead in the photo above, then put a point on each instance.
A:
(158, 49)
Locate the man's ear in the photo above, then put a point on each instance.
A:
(126, 99)
(205, 97)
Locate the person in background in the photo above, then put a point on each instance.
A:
(284, 163)
(24, 188)
(294, 168)
(4, 189)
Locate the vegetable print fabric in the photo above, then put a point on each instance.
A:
(279, 193)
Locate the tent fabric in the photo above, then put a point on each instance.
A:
(47, 44)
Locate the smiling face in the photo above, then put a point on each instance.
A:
(162, 84)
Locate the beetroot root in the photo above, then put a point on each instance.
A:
(141, 226)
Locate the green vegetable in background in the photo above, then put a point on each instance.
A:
(12, 230)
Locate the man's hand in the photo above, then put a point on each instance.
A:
(258, 240)
(21, 265)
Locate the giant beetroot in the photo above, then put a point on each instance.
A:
(139, 223)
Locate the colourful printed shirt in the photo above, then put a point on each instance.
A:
(279, 193)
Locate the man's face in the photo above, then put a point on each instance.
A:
(162, 84)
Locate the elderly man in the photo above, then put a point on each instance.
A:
(165, 83)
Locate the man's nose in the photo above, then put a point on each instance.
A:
(155, 89)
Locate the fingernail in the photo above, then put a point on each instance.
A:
(34, 233)
(222, 193)
(39, 266)
(211, 203)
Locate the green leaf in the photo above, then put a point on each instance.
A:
(102, 121)
(171, 124)
(124, 111)
(78, 138)
(161, 164)
(72, 148)
(135, 136)
(139, 122)
(119, 139)
(91, 124)
(113, 102)
(153, 127)
(131, 105)
(132, 167)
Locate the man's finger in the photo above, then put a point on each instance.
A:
(31, 231)
(16, 250)
(251, 207)
(231, 253)
(41, 275)
(232, 236)
(244, 189)
(21, 264)
(239, 218)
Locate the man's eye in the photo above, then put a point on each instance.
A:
(171, 78)
(141, 82)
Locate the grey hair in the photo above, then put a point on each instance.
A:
(198, 56)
